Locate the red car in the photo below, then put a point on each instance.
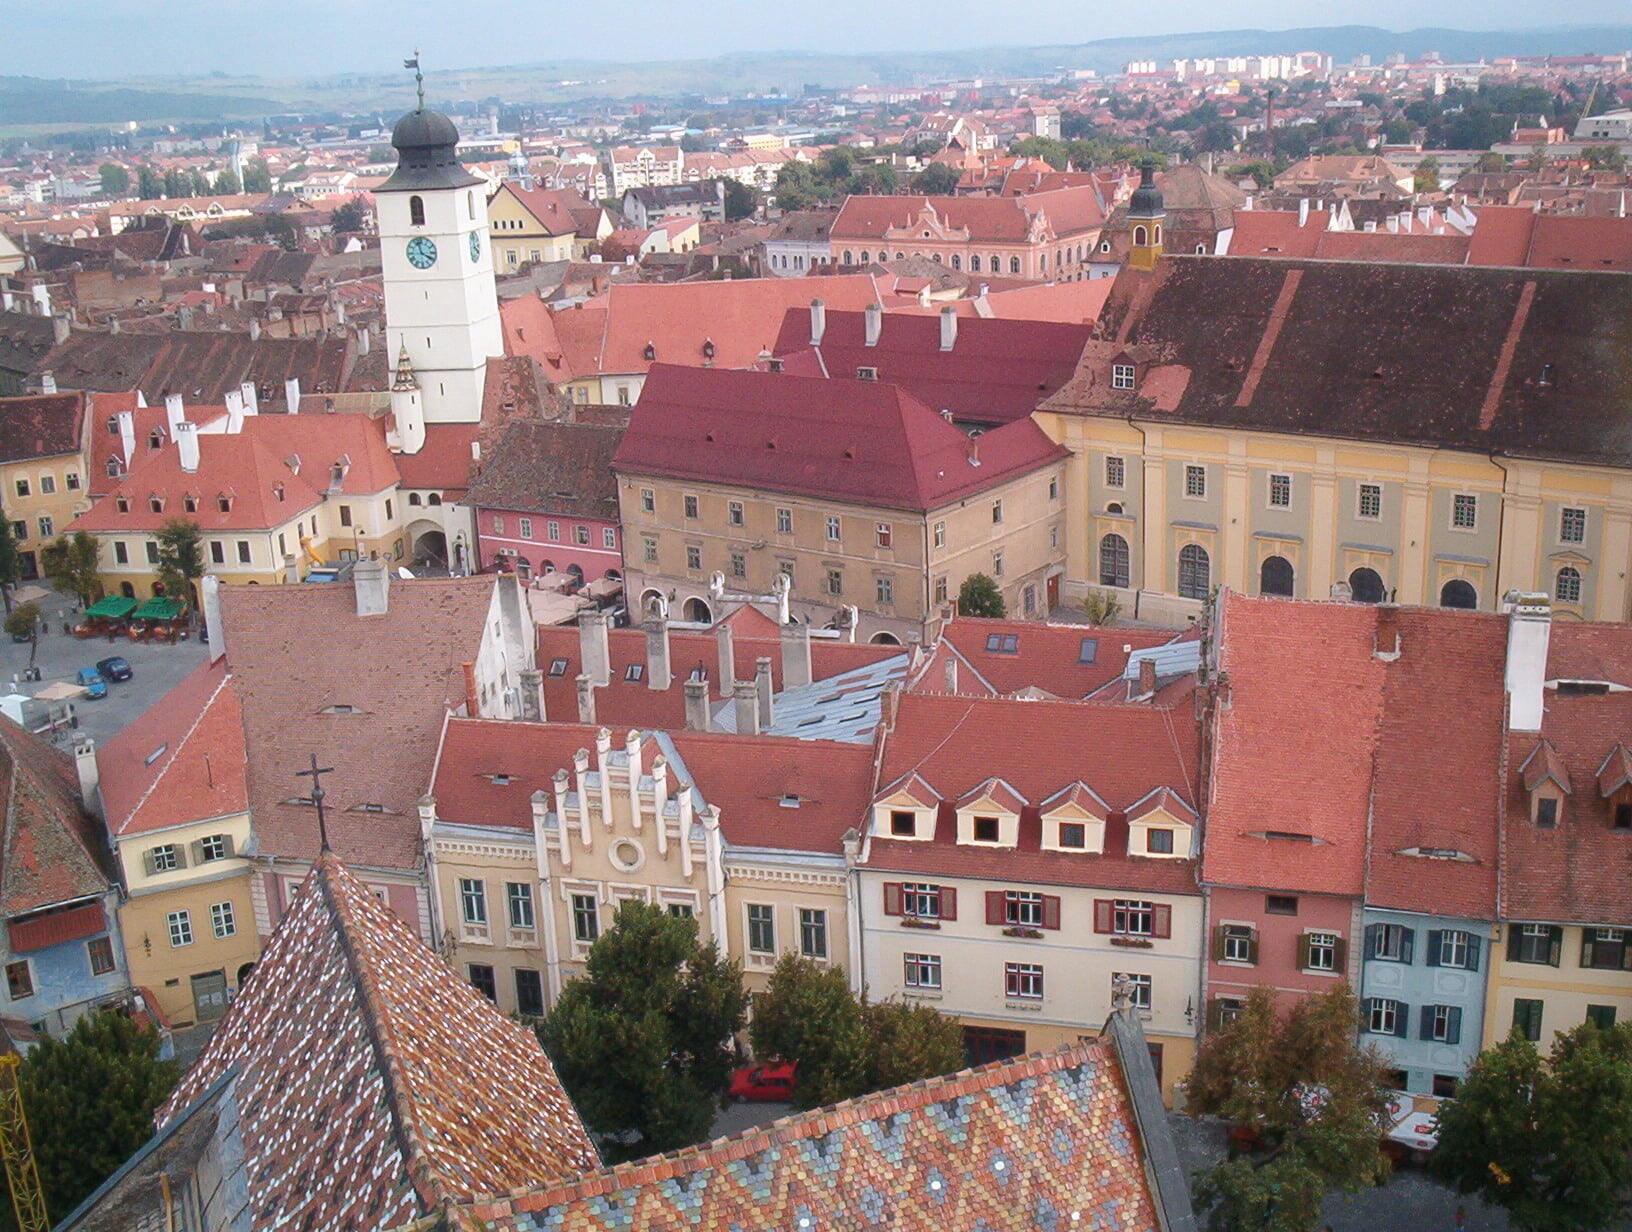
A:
(763, 1083)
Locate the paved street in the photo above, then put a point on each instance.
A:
(156, 668)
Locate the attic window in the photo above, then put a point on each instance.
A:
(190, 503)
(155, 504)
(1003, 643)
(650, 352)
(122, 503)
(223, 504)
(789, 800)
(341, 708)
(1290, 836)
(633, 671)
(277, 491)
(155, 439)
(498, 780)
(113, 425)
(1582, 688)
(1121, 376)
(708, 348)
(866, 374)
(113, 468)
(1088, 652)
(368, 808)
(558, 667)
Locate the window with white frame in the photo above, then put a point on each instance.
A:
(1023, 908)
(997, 511)
(212, 847)
(1195, 481)
(1572, 524)
(518, 897)
(1133, 917)
(921, 899)
(1280, 491)
(1023, 981)
(1121, 376)
(1369, 504)
(1464, 511)
(784, 521)
(884, 591)
(1237, 943)
(1138, 988)
(813, 932)
(1116, 471)
(1453, 948)
(734, 513)
(833, 533)
(552, 531)
(524, 527)
(609, 538)
(180, 926)
(1322, 951)
(473, 900)
(586, 918)
(1567, 585)
(922, 971)
(939, 534)
(222, 923)
(165, 858)
(883, 535)
(648, 500)
(1383, 1017)
(761, 929)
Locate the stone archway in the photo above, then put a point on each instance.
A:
(697, 610)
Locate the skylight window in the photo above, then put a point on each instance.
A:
(1002, 643)
(1089, 651)
(558, 667)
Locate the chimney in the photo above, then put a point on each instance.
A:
(586, 699)
(210, 589)
(873, 318)
(1303, 212)
(291, 394)
(532, 694)
(949, 327)
(696, 705)
(818, 321)
(762, 690)
(48, 382)
(657, 654)
(951, 672)
(42, 298)
(252, 404)
(60, 329)
(365, 342)
(372, 581)
(235, 411)
(594, 651)
(254, 329)
(1385, 642)
(795, 654)
(127, 436)
(747, 704)
(1147, 676)
(291, 568)
(187, 444)
(1529, 628)
(90, 778)
(173, 413)
(728, 662)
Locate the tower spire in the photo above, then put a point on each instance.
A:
(419, 78)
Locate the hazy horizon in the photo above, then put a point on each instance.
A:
(123, 38)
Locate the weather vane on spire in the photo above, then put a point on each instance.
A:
(419, 77)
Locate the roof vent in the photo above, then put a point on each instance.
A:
(866, 374)
(650, 352)
(708, 348)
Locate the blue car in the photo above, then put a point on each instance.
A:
(90, 680)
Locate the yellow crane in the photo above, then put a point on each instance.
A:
(17, 1153)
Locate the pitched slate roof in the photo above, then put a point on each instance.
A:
(296, 653)
(41, 426)
(865, 442)
(202, 366)
(996, 371)
(53, 853)
(1049, 657)
(550, 465)
(1046, 1141)
(372, 1083)
(1518, 361)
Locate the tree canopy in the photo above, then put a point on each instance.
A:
(181, 557)
(980, 596)
(72, 563)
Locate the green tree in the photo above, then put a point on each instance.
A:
(807, 1014)
(1217, 137)
(1547, 1138)
(979, 596)
(348, 217)
(1055, 153)
(1492, 162)
(175, 183)
(797, 187)
(1427, 175)
(257, 178)
(1262, 173)
(281, 231)
(227, 183)
(149, 184)
(90, 1098)
(935, 180)
(181, 557)
(73, 563)
(115, 179)
(907, 1040)
(642, 1040)
(1604, 157)
(1313, 1098)
(741, 200)
(22, 624)
(879, 179)
(9, 563)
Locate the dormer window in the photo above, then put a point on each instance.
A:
(155, 439)
(708, 348)
(190, 503)
(113, 468)
(1122, 376)
(650, 352)
(122, 504)
(1546, 812)
(903, 823)
(1072, 836)
(155, 504)
(1162, 826)
(1547, 780)
(985, 830)
(223, 504)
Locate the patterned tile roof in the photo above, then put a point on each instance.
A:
(373, 1084)
(1047, 1142)
(52, 853)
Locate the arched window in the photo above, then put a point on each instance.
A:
(957, 261)
(1366, 585)
(1113, 561)
(1567, 585)
(1201, 250)
(470, 204)
(1014, 265)
(1195, 572)
(1458, 593)
(416, 211)
(1275, 576)
(1043, 262)
(1157, 237)
(697, 610)
(435, 498)
(1140, 237)
(974, 263)
(414, 499)
(847, 260)
(864, 257)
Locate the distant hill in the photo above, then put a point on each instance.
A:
(29, 101)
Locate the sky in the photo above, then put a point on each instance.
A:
(131, 38)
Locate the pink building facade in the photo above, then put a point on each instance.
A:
(1292, 942)
(536, 543)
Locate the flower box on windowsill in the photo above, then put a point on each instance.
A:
(1138, 943)
(1022, 931)
(918, 921)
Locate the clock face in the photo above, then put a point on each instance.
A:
(421, 252)
(475, 246)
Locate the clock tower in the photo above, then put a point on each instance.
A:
(441, 309)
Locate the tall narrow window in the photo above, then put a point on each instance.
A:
(1113, 561)
(1195, 571)
(416, 211)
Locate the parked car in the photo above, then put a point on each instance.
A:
(114, 669)
(763, 1083)
(90, 679)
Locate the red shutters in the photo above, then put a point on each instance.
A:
(994, 906)
(1051, 911)
(1104, 917)
(1162, 920)
(949, 903)
(892, 898)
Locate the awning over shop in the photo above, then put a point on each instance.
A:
(112, 607)
(159, 607)
(55, 927)
(1412, 1121)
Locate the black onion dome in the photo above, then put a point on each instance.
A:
(427, 145)
(1146, 201)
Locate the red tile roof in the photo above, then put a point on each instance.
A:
(1045, 656)
(180, 760)
(1122, 752)
(298, 651)
(1010, 1147)
(996, 371)
(52, 851)
(41, 931)
(41, 426)
(1517, 235)
(1008, 220)
(864, 442)
(373, 1085)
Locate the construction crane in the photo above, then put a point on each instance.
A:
(17, 1152)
